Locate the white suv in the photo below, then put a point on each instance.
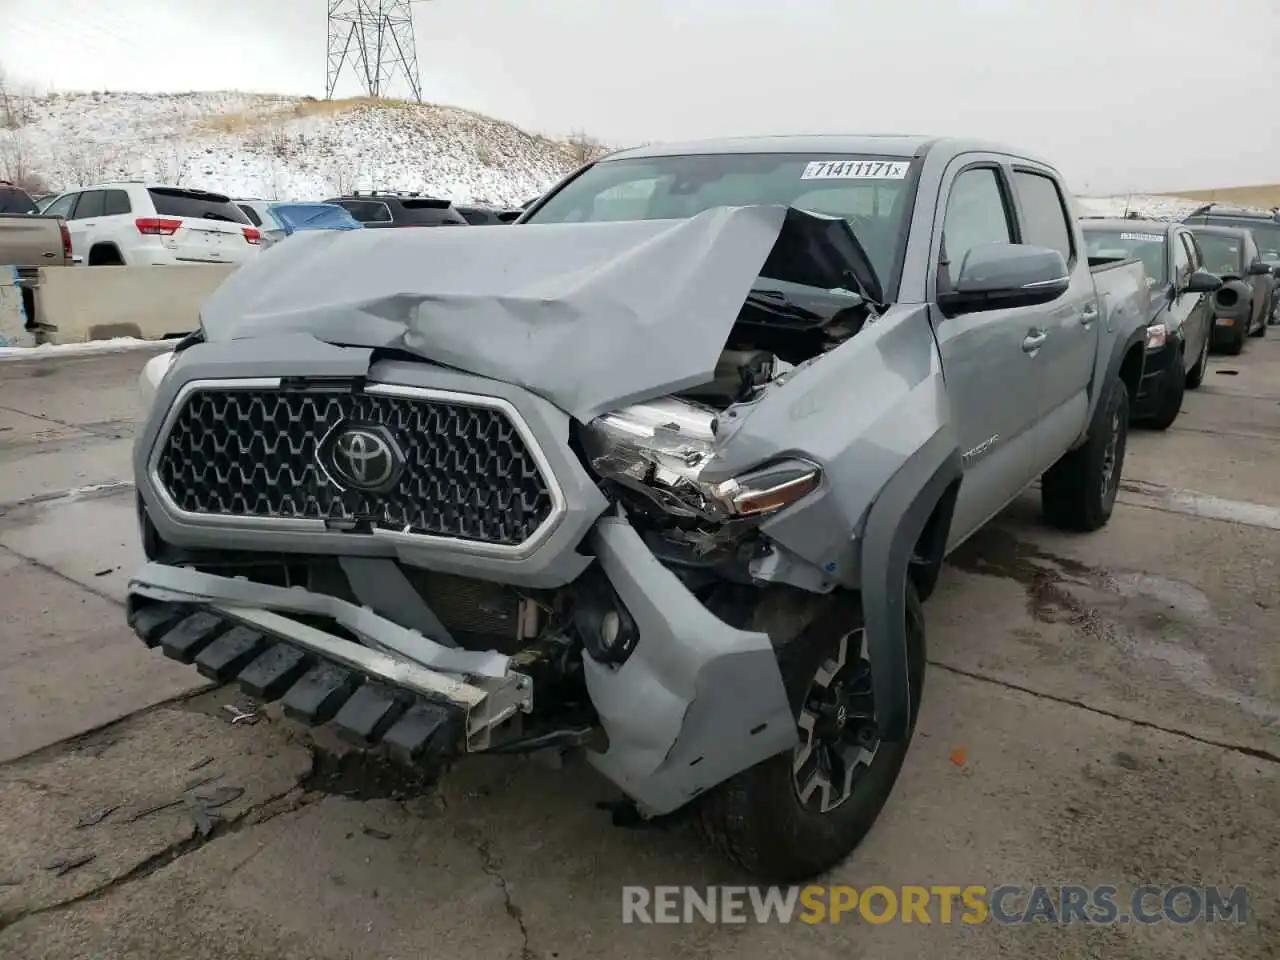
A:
(139, 224)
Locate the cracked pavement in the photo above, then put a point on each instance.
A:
(1098, 709)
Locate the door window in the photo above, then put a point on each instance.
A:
(116, 203)
(1182, 267)
(976, 214)
(62, 206)
(1044, 214)
(90, 205)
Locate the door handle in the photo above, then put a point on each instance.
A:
(1034, 341)
(1088, 315)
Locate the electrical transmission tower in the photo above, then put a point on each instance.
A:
(375, 39)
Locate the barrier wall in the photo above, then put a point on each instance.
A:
(78, 304)
(13, 315)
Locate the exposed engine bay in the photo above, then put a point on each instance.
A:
(651, 455)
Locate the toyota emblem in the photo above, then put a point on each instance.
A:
(361, 457)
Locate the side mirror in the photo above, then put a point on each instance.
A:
(1259, 269)
(1202, 281)
(997, 276)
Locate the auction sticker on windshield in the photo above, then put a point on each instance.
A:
(1144, 237)
(856, 170)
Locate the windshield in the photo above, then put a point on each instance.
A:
(1222, 255)
(870, 193)
(1122, 245)
(1268, 240)
(1266, 234)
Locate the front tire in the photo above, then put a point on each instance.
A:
(1079, 491)
(799, 814)
(1170, 400)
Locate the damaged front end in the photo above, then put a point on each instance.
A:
(410, 516)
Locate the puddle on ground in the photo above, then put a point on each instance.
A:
(1179, 596)
(1142, 615)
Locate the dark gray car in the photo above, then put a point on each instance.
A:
(1242, 307)
(1263, 225)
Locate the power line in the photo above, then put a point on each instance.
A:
(375, 39)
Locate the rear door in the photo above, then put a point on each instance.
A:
(1261, 283)
(84, 218)
(1070, 323)
(993, 378)
(201, 227)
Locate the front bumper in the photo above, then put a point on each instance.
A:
(1229, 326)
(696, 702)
(416, 700)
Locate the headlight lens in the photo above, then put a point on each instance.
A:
(1157, 334)
(661, 449)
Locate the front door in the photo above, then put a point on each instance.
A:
(1192, 312)
(990, 358)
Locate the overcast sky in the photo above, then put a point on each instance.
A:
(1096, 86)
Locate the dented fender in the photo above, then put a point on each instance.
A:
(889, 452)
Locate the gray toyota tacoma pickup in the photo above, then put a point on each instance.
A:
(661, 474)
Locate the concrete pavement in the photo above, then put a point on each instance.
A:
(1099, 709)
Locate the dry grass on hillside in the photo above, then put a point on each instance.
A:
(271, 111)
(1263, 195)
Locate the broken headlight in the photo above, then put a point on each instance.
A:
(661, 449)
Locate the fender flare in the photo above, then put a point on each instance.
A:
(1118, 352)
(894, 524)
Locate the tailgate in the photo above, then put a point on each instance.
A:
(203, 227)
(27, 241)
(210, 241)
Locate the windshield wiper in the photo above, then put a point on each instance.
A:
(777, 303)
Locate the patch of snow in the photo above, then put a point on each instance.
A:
(1146, 206)
(53, 351)
(280, 147)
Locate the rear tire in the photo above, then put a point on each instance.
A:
(1079, 491)
(1170, 400)
(757, 819)
(1262, 326)
(1195, 376)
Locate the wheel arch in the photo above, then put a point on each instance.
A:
(913, 508)
(105, 250)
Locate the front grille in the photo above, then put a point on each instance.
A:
(466, 473)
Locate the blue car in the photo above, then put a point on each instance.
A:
(295, 217)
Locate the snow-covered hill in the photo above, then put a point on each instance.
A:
(1151, 207)
(280, 147)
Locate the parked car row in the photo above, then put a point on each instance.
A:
(1212, 286)
(138, 223)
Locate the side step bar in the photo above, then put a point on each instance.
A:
(372, 698)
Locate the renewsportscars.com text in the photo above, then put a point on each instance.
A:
(973, 904)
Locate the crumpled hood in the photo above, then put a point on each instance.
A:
(590, 316)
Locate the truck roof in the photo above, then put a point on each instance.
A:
(880, 144)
